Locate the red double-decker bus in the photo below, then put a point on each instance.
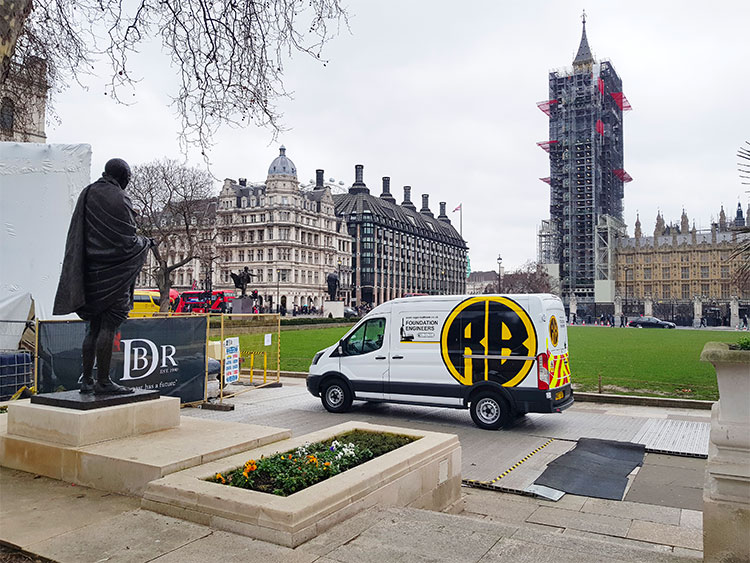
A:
(195, 301)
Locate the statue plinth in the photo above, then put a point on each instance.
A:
(88, 401)
(242, 305)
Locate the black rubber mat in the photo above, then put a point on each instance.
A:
(594, 468)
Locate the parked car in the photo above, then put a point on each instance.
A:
(650, 322)
(350, 313)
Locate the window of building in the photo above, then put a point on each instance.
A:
(646, 273)
(685, 273)
(686, 291)
(665, 272)
(241, 255)
(665, 258)
(705, 289)
(629, 259)
(647, 259)
(646, 289)
(725, 272)
(704, 272)
(7, 114)
(665, 291)
(724, 290)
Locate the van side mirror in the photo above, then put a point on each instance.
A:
(340, 349)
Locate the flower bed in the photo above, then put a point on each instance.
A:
(425, 473)
(287, 472)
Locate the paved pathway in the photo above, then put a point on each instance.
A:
(71, 524)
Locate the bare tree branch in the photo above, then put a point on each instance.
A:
(177, 209)
(228, 54)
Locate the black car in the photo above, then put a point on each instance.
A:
(350, 313)
(650, 322)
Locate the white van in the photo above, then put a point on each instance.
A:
(498, 355)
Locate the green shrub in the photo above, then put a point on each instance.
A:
(743, 343)
(314, 321)
(286, 473)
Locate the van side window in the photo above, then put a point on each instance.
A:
(367, 338)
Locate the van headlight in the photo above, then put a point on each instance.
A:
(316, 357)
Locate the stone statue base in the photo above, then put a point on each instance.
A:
(334, 308)
(242, 305)
(87, 401)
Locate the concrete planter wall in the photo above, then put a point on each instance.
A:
(423, 474)
(726, 495)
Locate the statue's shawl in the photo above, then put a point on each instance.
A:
(103, 253)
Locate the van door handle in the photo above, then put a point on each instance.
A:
(380, 357)
(397, 357)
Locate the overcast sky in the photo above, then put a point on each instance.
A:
(442, 96)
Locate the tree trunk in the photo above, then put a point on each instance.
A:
(13, 14)
(164, 285)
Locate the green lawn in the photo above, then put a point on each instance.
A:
(629, 360)
(299, 346)
(644, 361)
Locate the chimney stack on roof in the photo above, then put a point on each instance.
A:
(243, 181)
(319, 179)
(426, 205)
(359, 187)
(443, 217)
(386, 195)
(407, 199)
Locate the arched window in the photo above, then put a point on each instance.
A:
(7, 114)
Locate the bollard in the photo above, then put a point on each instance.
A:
(600, 383)
(265, 365)
(252, 370)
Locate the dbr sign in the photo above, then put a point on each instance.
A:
(141, 361)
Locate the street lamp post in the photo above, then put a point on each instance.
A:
(626, 292)
(338, 287)
(499, 272)
(278, 299)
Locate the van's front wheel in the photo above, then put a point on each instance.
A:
(336, 396)
(489, 411)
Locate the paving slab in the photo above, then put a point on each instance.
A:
(405, 539)
(635, 511)
(597, 523)
(37, 509)
(133, 536)
(691, 519)
(228, 547)
(679, 486)
(510, 550)
(665, 534)
(606, 548)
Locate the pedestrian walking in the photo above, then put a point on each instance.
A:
(622, 320)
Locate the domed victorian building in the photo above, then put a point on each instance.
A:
(289, 238)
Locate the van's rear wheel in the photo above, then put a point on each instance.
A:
(336, 396)
(490, 411)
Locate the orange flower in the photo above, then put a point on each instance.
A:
(327, 463)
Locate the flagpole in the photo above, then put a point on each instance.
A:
(461, 220)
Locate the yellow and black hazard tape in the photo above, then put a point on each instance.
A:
(477, 483)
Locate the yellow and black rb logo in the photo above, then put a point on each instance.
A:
(481, 338)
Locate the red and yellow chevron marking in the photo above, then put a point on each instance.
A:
(559, 371)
